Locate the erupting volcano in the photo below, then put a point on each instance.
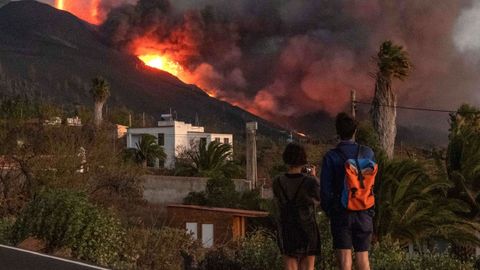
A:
(289, 59)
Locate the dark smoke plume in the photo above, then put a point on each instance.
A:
(288, 57)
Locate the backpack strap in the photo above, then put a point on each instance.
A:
(344, 157)
(359, 169)
(285, 193)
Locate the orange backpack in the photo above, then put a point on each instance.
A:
(357, 193)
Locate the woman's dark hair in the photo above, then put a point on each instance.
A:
(346, 126)
(294, 155)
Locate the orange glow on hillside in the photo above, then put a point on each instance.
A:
(161, 56)
(60, 4)
(87, 10)
(161, 62)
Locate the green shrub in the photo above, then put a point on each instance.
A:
(220, 192)
(159, 249)
(389, 255)
(327, 261)
(66, 219)
(436, 262)
(6, 225)
(259, 251)
(222, 258)
(196, 198)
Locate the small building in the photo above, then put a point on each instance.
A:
(212, 225)
(175, 137)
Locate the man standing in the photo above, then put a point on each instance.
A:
(350, 228)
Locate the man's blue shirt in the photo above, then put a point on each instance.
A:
(333, 173)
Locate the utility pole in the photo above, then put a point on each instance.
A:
(252, 153)
(129, 120)
(353, 96)
(143, 119)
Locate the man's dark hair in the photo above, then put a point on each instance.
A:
(346, 126)
(294, 155)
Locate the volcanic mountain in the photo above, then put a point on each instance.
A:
(52, 55)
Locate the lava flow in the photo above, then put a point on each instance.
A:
(161, 62)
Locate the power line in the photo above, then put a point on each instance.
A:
(409, 108)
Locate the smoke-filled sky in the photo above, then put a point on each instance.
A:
(292, 57)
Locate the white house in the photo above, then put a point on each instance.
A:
(175, 137)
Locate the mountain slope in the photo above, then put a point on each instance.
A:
(50, 54)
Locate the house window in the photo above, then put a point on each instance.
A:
(192, 229)
(217, 140)
(161, 139)
(226, 140)
(207, 235)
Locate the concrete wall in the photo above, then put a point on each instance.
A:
(172, 189)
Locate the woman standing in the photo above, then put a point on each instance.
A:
(297, 194)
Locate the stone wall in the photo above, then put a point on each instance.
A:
(161, 189)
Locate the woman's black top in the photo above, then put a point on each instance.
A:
(297, 197)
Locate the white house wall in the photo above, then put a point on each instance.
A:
(178, 137)
(135, 134)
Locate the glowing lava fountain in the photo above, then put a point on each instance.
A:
(161, 62)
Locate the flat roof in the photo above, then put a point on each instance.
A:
(231, 211)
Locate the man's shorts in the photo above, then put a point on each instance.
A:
(352, 229)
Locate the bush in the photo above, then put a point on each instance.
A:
(66, 219)
(160, 249)
(389, 255)
(196, 198)
(222, 258)
(220, 192)
(327, 260)
(259, 251)
(6, 225)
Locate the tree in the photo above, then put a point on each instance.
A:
(463, 158)
(412, 206)
(392, 63)
(214, 159)
(100, 92)
(147, 151)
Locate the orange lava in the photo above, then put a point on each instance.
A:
(161, 62)
(87, 10)
(60, 4)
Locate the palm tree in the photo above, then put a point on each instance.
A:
(463, 158)
(212, 160)
(100, 91)
(147, 151)
(392, 62)
(412, 207)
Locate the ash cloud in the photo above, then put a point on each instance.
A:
(289, 58)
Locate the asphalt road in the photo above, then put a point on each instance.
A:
(18, 259)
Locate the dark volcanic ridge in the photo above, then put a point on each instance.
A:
(52, 55)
